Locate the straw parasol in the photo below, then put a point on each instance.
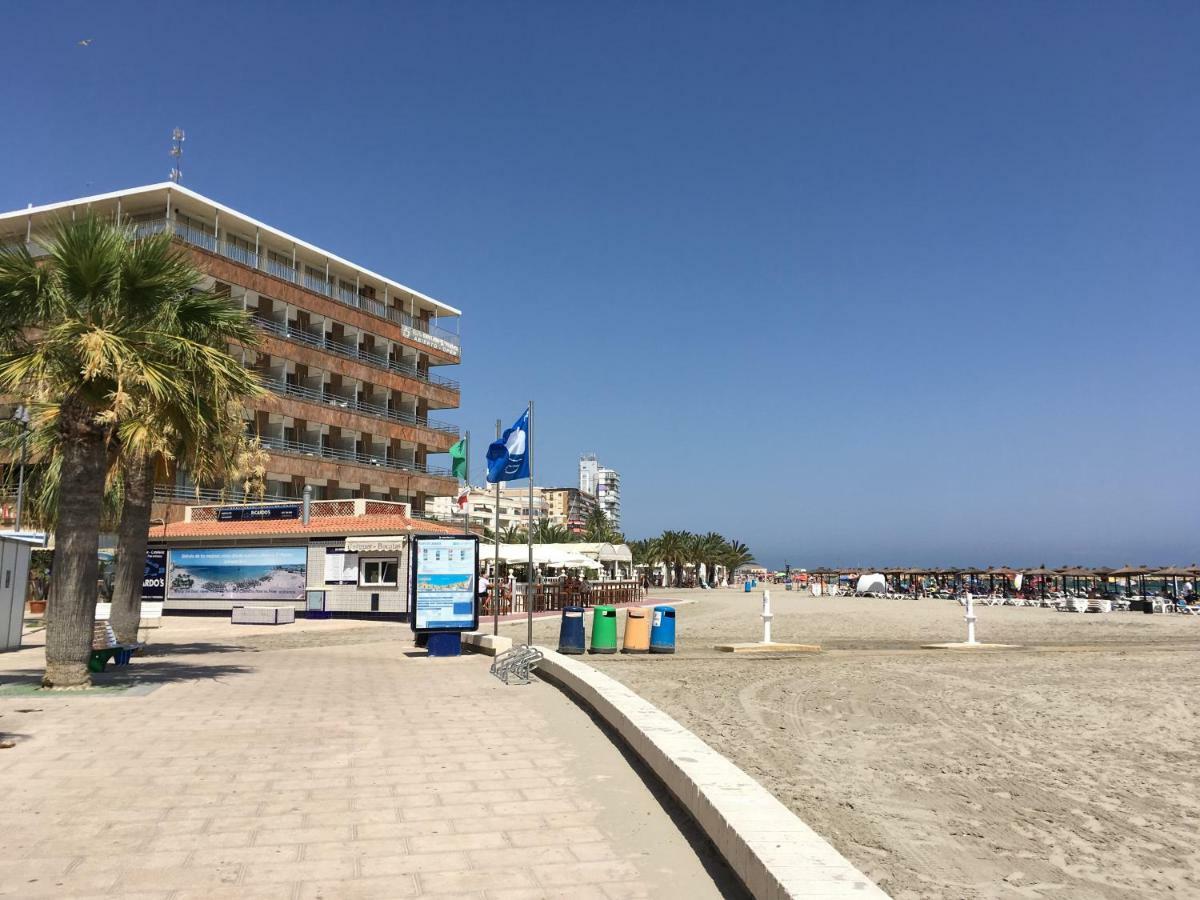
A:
(1042, 573)
(1174, 573)
(1128, 572)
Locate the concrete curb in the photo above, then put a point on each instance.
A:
(774, 853)
(487, 644)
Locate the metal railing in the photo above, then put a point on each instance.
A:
(353, 404)
(415, 329)
(169, 492)
(351, 351)
(299, 448)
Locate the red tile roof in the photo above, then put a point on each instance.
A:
(331, 525)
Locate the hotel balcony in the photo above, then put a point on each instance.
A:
(444, 391)
(443, 436)
(414, 329)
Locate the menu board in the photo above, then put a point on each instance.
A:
(443, 583)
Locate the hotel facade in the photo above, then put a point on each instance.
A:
(351, 361)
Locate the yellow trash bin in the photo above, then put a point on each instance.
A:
(637, 631)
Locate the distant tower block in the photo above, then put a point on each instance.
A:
(602, 483)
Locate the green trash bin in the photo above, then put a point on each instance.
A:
(604, 629)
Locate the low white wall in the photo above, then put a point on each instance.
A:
(774, 853)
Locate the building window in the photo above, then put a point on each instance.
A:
(378, 572)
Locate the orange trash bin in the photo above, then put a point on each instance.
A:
(637, 631)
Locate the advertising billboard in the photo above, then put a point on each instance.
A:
(237, 573)
(154, 578)
(443, 583)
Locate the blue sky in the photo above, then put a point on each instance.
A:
(853, 283)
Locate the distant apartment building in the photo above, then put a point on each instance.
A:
(481, 507)
(602, 483)
(349, 358)
(568, 507)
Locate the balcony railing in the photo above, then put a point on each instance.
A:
(380, 460)
(355, 405)
(350, 351)
(414, 329)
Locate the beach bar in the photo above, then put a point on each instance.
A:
(345, 558)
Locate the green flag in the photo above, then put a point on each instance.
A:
(458, 459)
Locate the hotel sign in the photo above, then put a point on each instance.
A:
(258, 513)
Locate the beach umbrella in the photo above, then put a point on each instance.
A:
(1041, 574)
(1128, 572)
(1172, 572)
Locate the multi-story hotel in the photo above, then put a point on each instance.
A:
(349, 358)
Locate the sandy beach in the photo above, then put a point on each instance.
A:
(1065, 769)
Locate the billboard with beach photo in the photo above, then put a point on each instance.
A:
(237, 573)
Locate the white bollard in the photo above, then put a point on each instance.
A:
(766, 617)
(970, 617)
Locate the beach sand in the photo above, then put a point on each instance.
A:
(1066, 769)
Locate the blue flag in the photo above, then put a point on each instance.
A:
(508, 458)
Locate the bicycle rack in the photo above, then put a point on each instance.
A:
(516, 664)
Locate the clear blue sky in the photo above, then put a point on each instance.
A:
(853, 283)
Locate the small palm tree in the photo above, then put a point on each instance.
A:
(89, 334)
(736, 555)
(547, 533)
(513, 534)
(598, 529)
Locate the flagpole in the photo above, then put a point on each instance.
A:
(467, 505)
(529, 535)
(496, 547)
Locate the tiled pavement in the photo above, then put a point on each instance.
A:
(324, 771)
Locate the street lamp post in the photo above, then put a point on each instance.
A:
(20, 418)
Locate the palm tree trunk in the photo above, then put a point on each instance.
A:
(71, 612)
(131, 547)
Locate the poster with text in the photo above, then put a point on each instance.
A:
(154, 578)
(237, 573)
(443, 580)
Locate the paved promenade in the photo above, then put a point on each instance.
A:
(321, 760)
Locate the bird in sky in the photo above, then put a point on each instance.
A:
(85, 42)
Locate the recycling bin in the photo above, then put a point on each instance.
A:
(662, 631)
(604, 629)
(749, 587)
(637, 631)
(570, 632)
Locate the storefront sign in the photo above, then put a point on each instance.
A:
(154, 579)
(258, 513)
(443, 583)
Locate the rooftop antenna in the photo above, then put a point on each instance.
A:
(177, 139)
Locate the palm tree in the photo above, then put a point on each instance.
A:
(513, 534)
(548, 533)
(203, 428)
(598, 529)
(672, 548)
(87, 334)
(737, 554)
(710, 548)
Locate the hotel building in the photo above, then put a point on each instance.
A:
(350, 359)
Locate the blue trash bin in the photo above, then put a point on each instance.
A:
(749, 587)
(570, 632)
(662, 630)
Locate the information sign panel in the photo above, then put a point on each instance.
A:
(443, 583)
